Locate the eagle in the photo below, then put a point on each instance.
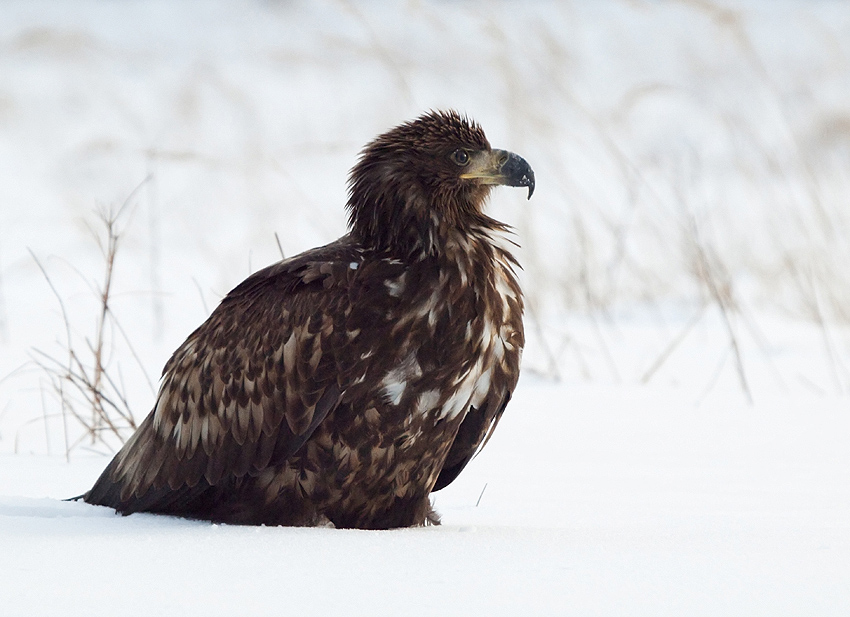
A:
(343, 385)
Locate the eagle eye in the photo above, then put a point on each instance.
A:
(461, 157)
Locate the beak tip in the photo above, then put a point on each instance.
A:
(528, 180)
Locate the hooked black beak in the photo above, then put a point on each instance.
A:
(517, 172)
(500, 167)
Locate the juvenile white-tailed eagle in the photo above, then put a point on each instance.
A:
(346, 383)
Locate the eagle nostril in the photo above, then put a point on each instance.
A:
(503, 159)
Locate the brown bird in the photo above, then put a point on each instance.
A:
(345, 384)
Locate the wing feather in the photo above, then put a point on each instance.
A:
(233, 404)
(472, 436)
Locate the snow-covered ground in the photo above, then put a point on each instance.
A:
(598, 501)
(678, 444)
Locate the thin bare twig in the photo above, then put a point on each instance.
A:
(89, 384)
(201, 294)
(481, 495)
(722, 296)
(671, 347)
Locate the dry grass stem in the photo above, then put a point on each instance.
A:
(89, 390)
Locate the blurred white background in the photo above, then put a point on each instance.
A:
(690, 224)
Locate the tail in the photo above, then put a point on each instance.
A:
(117, 487)
(108, 487)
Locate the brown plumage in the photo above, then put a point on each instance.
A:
(345, 384)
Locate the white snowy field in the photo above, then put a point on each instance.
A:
(679, 443)
(598, 501)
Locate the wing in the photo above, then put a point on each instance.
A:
(474, 432)
(481, 419)
(244, 391)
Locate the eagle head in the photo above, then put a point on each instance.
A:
(423, 177)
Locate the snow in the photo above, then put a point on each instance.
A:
(666, 452)
(598, 501)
